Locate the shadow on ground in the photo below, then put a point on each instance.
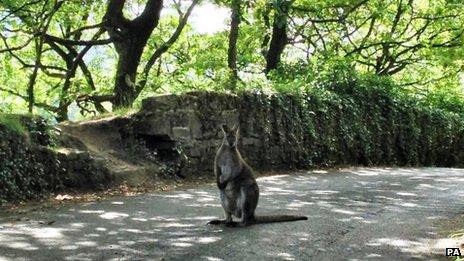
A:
(392, 214)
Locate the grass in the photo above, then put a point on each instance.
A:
(13, 123)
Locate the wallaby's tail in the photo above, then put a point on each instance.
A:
(277, 218)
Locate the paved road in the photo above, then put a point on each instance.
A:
(379, 214)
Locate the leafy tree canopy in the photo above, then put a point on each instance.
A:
(65, 58)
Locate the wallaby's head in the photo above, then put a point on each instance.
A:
(230, 135)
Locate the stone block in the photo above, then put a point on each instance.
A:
(251, 141)
(194, 152)
(195, 126)
(179, 117)
(161, 102)
(230, 117)
(182, 133)
(99, 163)
(188, 102)
(199, 149)
(158, 126)
(188, 118)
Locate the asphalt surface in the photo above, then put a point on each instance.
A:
(358, 214)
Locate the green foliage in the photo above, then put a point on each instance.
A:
(30, 165)
(12, 123)
(347, 119)
(419, 45)
(27, 167)
(35, 129)
(449, 100)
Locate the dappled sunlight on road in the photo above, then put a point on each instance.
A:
(361, 217)
(415, 248)
(114, 215)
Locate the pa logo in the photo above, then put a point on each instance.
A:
(452, 252)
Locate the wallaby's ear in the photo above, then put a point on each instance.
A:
(224, 128)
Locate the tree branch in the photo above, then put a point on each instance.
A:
(165, 46)
(25, 98)
(150, 16)
(19, 9)
(77, 42)
(15, 48)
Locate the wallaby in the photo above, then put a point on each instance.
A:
(237, 185)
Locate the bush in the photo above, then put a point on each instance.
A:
(27, 167)
(13, 123)
(354, 120)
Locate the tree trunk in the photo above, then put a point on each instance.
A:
(33, 76)
(233, 37)
(62, 114)
(130, 54)
(279, 36)
(130, 38)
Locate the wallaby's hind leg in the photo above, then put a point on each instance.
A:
(228, 217)
(250, 195)
(227, 221)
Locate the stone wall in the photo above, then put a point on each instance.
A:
(193, 121)
(281, 132)
(31, 165)
(178, 135)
